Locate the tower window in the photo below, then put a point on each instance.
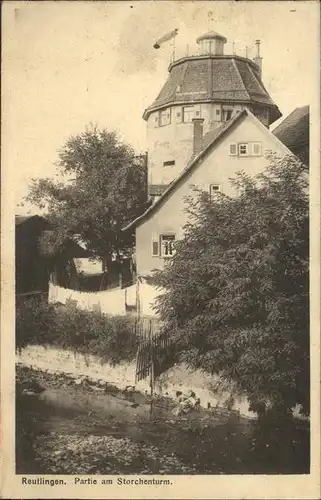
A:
(169, 163)
(227, 114)
(188, 114)
(165, 117)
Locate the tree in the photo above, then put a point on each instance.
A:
(237, 301)
(103, 188)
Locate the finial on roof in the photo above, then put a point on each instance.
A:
(210, 21)
(211, 43)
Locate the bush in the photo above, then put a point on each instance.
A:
(34, 320)
(237, 301)
(112, 338)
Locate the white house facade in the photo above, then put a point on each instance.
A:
(242, 143)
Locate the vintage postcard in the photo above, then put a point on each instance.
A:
(160, 326)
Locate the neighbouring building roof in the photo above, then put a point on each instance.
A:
(21, 219)
(43, 226)
(209, 140)
(294, 129)
(210, 78)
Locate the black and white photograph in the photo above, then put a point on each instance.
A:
(161, 160)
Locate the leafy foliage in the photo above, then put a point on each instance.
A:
(103, 188)
(237, 298)
(111, 338)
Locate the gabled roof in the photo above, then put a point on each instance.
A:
(294, 129)
(209, 141)
(21, 219)
(44, 226)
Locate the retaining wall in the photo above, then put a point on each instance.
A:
(179, 377)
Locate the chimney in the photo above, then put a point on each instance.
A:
(258, 59)
(197, 135)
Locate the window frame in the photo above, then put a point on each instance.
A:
(219, 190)
(173, 238)
(167, 114)
(191, 114)
(225, 111)
(212, 193)
(240, 145)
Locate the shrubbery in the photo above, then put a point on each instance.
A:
(237, 301)
(112, 338)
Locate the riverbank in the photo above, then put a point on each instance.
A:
(72, 427)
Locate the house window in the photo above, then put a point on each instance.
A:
(188, 114)
(243, 149)
(169, 163)
(178, 117)
(156, 122)
(165, 117)
(218, 111)
(246, 149)
(214, 189)
(167, 243)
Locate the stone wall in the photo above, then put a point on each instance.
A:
(178, 378)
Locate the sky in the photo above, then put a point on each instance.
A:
(68, 64)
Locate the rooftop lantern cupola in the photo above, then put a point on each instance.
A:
(211, 43)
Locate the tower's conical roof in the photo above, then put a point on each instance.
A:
(210, 78)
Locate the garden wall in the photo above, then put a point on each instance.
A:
(121, 375)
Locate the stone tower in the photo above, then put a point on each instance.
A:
(203, 90)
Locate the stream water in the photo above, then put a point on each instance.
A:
(200, 442)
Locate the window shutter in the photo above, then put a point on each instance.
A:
(155, 248)
(256, 149)
(233, 149)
